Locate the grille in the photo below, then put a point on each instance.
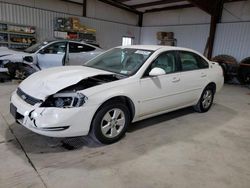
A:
(27, 98)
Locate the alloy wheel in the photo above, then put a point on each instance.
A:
(20, 74)
(207, 99)
(113, 123)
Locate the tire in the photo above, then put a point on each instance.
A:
(23, 72)
(11, 69)
(224, 69)
(244, 78)
(244, 71)
(246, 60)
(107, 127)
(206, 100)
(241, 76)
(228, 64)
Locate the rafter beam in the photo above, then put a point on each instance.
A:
(122, 1)
(206, 5)
(120, 5)
(170, 8)
(155, 3)
(72, 2)
(228, 1)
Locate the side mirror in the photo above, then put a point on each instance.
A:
(156, 72)
(28, 59)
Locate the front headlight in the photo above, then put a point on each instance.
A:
(65, 100)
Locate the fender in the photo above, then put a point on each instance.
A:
(10, 64)
(32, 65)
(121, 94)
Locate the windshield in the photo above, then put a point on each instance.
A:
(35, 47)
(124, 61)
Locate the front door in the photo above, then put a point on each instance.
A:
(162, 92)
(52, 55)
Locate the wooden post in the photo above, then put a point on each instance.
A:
(140, 19)
(215, 18)
(84, 8)
(212, 32)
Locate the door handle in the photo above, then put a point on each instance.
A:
(203, 75)
(176, 79)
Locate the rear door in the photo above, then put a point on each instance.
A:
(193, 75)
(80, 53)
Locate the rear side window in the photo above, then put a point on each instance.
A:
(192, 61)
(203, 64)
(77, 48)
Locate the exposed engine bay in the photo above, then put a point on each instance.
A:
(92, 81)
(69, 97)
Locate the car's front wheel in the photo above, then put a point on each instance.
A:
(206, 100)
(23, 72)
(110, 122)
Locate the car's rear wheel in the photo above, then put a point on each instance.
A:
(206, 100)
(110, 122)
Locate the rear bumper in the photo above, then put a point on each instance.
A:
(54, 122)
(219, 84)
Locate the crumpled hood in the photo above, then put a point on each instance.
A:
(49, 81)
(6, 51)
(13, 57)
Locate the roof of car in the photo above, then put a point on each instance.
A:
(62, 40)
(95, 45)
(155, 47)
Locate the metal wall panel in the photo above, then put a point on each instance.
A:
(100, 10)
(233, 39)
(189, 36)
(192, 15)
(109, 34)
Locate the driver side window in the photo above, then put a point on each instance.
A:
(165, 61)
(55, 48)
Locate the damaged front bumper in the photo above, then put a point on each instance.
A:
(3, 69)
(50, 121)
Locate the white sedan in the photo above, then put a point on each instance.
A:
(123, 85)
(45, 55)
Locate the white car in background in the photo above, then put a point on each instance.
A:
(123, 85)
(46, 54)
